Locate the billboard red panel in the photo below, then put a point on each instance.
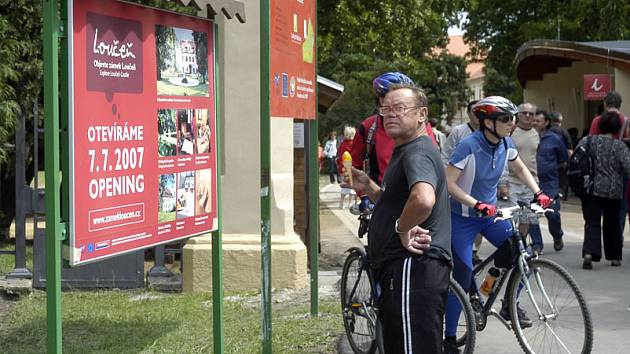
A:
(293, 83)
(596, 86)
(142, 128)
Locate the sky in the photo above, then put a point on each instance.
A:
(457, 30)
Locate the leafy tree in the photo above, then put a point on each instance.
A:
(499, 27)
(358, 40)
(165, 43)
(201, 52)
(20, 83)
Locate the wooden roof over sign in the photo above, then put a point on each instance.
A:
(229, 8)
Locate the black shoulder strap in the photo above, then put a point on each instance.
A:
(370, 137)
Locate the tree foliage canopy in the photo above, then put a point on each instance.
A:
(358, 40)
(499, 27)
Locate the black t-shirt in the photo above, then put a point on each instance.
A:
(413, 162)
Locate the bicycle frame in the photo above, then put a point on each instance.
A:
(522, 260)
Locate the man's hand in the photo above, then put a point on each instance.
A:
(486, 209)
(417, 240)
(542, 199)
(360, 180)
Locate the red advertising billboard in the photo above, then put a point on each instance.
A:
(293, 82)
(142, 128)
(596, 86)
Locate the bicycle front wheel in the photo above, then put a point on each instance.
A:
(466, 327)
(560, 319)
(357, 304)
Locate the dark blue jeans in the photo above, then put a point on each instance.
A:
(554, 221)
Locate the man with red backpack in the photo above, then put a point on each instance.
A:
(372, 147)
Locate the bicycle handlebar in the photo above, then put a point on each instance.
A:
(508, 213)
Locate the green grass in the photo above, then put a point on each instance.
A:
(148, 322)
(166, 88)
(7, 261)
(164, 216)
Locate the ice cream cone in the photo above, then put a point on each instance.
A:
(347, 165)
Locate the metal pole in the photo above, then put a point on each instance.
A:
(313, 213)
(313, 197)
(19, 270)
(265, 172)
(53, 227)
(158, 269)
(217, 237)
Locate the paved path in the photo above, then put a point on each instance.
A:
(607, 289)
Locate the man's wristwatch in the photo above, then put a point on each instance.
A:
(396, 229)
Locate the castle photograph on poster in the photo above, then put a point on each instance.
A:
(182, 62)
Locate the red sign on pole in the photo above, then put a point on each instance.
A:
(596, 86)
(142, 126)
(292, 54)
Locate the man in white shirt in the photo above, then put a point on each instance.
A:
(526, 140)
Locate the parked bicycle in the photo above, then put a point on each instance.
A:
(551, 312)
(359, 302)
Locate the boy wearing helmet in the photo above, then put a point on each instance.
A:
(473, 174)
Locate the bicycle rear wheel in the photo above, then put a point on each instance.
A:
(357, 303)
(564, 324)
(466, 327)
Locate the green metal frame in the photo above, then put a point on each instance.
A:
(54, 226)
(217, 236)
(57, 189)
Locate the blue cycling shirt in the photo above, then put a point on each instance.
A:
(481, 163)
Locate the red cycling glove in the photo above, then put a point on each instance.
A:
(486, 209)
(542, 199)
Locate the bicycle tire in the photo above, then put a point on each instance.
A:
(466, 327)
(569, 330)
(358, 306)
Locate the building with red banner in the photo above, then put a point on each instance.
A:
(573, 77)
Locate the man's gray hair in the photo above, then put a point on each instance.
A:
(421, 97)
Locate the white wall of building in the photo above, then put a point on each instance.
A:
(562, 91)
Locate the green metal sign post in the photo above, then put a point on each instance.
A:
(217, 236)
(313, 216)
(52, 166)
(265, 174)
(313, 200)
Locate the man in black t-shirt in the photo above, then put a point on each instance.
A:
(411, 212)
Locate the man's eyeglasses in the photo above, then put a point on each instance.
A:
(397, 109)
(505, 119)
(531, 114)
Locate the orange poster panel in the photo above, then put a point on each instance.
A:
(292, 54)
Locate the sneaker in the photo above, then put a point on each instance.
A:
(615, 262)
(558, 244)
(450, 345)
(588, 262)
(523, 320)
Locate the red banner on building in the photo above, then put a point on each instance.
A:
(142, 127)
(596, 86)
(293, 82)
